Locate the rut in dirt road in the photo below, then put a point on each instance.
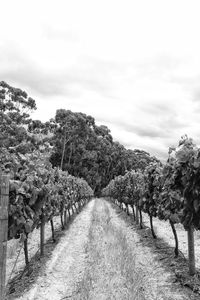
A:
(101, 257)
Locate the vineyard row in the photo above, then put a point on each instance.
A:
(36, 194)
(169, 191)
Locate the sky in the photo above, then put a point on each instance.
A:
(132, 65)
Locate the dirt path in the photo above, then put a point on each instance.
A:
(119, 266)
(163, 230)
(101, 257)
(14, 247)
(67, 263)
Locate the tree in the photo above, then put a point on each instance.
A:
(15, 106)
(87, 150)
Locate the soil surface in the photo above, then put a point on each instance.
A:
(163, 230)
(102, 255)
(15, 254)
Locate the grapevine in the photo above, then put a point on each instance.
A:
(169, 192)
(37, 193)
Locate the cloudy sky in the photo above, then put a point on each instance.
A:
(133, 65)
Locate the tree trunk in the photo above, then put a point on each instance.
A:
(175, 237)
(127, 210)
(152, 229)
(52, 231)
(61, 220)
(133, 212)
(63, 152)
(191, 253)
(70, 155)
(26, 251)
(137, 215)
(65, 218)
(141, 224)
(42, 226)
(69, 213)
(76, 208)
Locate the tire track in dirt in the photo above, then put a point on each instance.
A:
(67, 264)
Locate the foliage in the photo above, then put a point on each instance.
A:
(169, 191)
(152, 189)
(182, 173)
(126, 189)
(37, 189)
(89, 151)
(15, 106)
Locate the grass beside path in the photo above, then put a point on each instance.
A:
(110, 272)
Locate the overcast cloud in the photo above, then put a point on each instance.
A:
(133, 65)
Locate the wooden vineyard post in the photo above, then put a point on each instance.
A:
(4, 198)
(191, 253)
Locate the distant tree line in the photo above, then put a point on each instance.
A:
(72, 140)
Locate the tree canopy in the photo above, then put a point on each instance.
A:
(72, 140)
(88, 150)
(15, 106)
